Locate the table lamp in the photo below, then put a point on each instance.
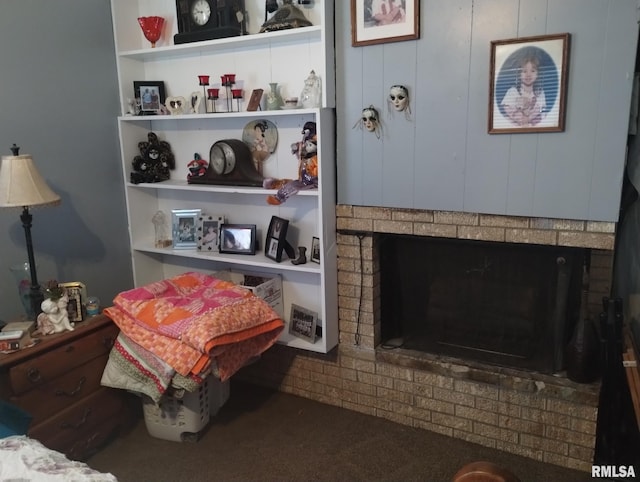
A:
(21, 185)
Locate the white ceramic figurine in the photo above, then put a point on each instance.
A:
(54, 317)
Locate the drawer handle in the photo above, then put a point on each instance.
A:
(108, 342)
(83, 448)
(34, 375)
(73, 392)
(80, 423)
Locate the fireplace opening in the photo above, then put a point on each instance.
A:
(512, 305)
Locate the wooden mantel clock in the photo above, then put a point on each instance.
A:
(231, 164)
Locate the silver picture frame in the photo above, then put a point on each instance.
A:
(184, 225)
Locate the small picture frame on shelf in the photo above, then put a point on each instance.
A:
(238, 238)
(302, 323)
(77, 294)
(151, 96)
(254, 100)
(208, 232)
(315, 250)
(183, 228)
(276, 238)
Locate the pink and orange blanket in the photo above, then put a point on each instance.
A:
(185, 326)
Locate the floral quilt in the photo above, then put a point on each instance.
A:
(191, 322)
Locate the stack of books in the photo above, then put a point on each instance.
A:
(16, 335)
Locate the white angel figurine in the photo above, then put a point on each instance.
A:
(54, 317)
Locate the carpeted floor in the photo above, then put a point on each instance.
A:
(261, 435)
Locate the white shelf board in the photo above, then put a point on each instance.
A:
(176, 185)
(217, 45)
(293, 342)
(218, 115)
(257, 260)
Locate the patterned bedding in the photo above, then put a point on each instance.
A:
(176, 331)
(25, 459)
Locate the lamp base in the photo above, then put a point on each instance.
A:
(36, 295)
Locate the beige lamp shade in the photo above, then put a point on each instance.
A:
(22, 185)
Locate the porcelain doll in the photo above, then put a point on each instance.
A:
(306, 151)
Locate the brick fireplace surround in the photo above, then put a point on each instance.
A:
(543, 417)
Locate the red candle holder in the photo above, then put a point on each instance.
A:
(227, 80)
(212, 95)
(237, 94)
(204, 81)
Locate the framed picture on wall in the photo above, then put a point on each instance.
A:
(381, 21)
(528, 84)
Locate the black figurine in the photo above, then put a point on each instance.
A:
(154, 162)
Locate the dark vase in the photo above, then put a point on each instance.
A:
(582, 354)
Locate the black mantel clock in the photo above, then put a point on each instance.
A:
(200, 20)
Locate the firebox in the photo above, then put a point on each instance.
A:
(512, 305)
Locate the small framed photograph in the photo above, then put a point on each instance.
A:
(238, 238)
(381, 21)
(184, 227)
(528, 84)
(315, 249)
(276, 238)
(208, 232)
(302, 323)
(151, 96)
(254, 100)
(77, 294)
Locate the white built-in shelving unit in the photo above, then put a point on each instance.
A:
(285, 57)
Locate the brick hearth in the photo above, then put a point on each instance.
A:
(547, 418)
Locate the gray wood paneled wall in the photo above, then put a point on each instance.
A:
(59, 100)
(443, 158)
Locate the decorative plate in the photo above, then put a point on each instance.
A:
(261, 136)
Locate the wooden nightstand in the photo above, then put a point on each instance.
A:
(58, 382)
